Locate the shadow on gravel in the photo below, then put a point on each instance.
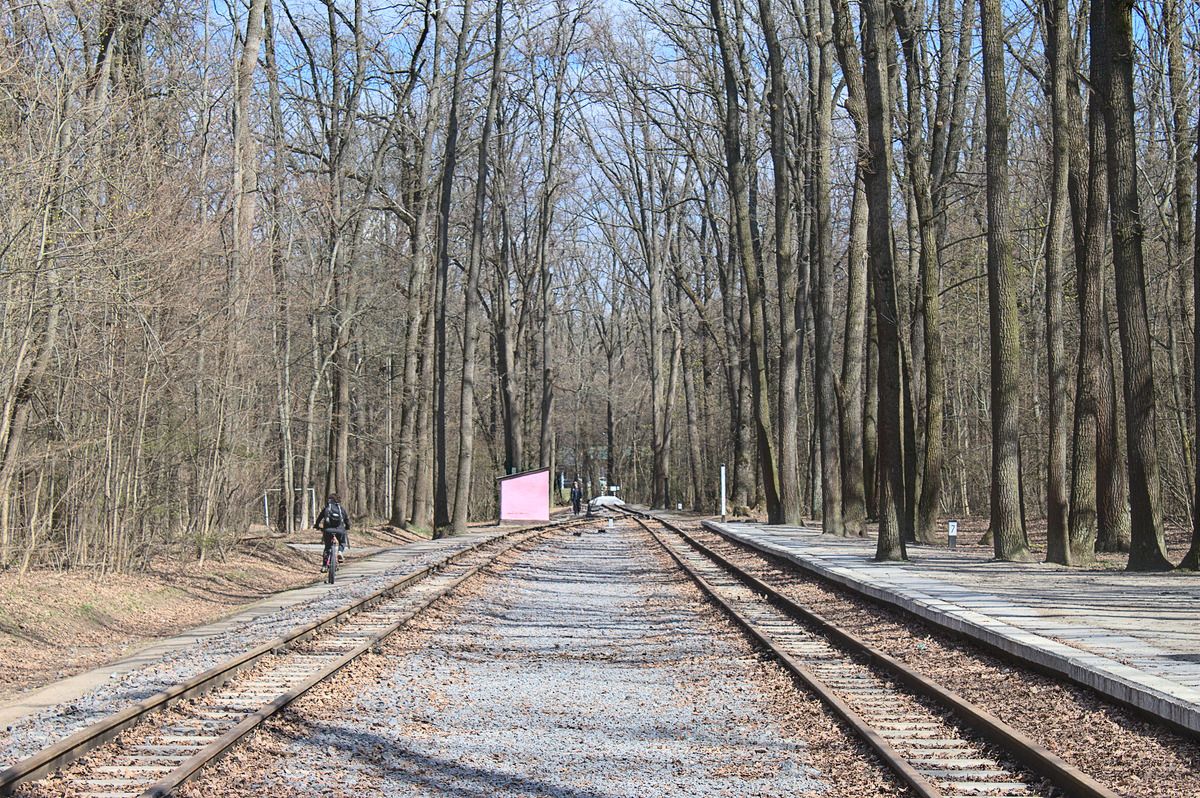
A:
(393, 762)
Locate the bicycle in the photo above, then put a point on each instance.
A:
(330, 561)
(335, 542)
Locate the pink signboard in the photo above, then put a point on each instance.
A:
(525, 497)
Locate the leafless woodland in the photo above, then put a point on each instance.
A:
(886, 259)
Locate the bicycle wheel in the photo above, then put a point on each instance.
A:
(332, 564)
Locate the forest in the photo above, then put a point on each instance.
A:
(888, 261)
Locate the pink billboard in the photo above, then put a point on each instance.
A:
(526, 496)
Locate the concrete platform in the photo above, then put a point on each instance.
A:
(354, 570)
(1133, 637)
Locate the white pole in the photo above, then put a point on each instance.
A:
(266, 511)
(722, 491)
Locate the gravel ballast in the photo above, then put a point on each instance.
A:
(586, 666)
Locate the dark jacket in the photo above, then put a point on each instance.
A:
(323, 518)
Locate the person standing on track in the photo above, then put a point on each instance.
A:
(576, 496)
(334, 522)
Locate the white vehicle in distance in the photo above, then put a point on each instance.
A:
(605, 501)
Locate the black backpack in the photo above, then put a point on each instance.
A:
(335, 516)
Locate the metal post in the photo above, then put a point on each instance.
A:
(722, 492)
(266, 511)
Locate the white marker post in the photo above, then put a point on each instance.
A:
(722, 492)
(266, 511)
(952, 533)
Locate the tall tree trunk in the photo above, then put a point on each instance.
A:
(411, 394)
(1008, 534)
(337, 474)
(871, 412)
(506, 344)
(245, 205)
(890, 544)
(672, 386)
(568, 23)
(739, 192)
(245, 167)
(1090, 469)
(659, 412)
(1147, 549)
(466, 423)
(1191, 560)
(342, 116)
(402, 474)
(610, 423)
(424, 483)
(691, 405)
(280, 327)
(827, 403)
(744, 471)
(546, 437)
(854, 504)
(1181, 144)
(854, 500)
(441, 490)
(411, 451)
(909, 443)
(925, 522)
(791, 506)
(1057, 43)
(1112, 484)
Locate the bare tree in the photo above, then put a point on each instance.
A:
(890, 544)
(1007, 517)
(1056, 24)
(748, 257)
(1147, 550)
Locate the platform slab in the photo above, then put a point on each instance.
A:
(1134, 637)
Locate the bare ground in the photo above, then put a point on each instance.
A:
(55, 624)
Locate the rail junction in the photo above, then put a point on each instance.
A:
(624, 654)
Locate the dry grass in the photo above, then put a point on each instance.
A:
(54, 624)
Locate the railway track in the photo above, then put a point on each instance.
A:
(152, 748)
(936, 742)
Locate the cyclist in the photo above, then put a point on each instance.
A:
(334, 523)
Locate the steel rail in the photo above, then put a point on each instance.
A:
(982, 643)
(1036, 758)
(72, 747)
(876, 741)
